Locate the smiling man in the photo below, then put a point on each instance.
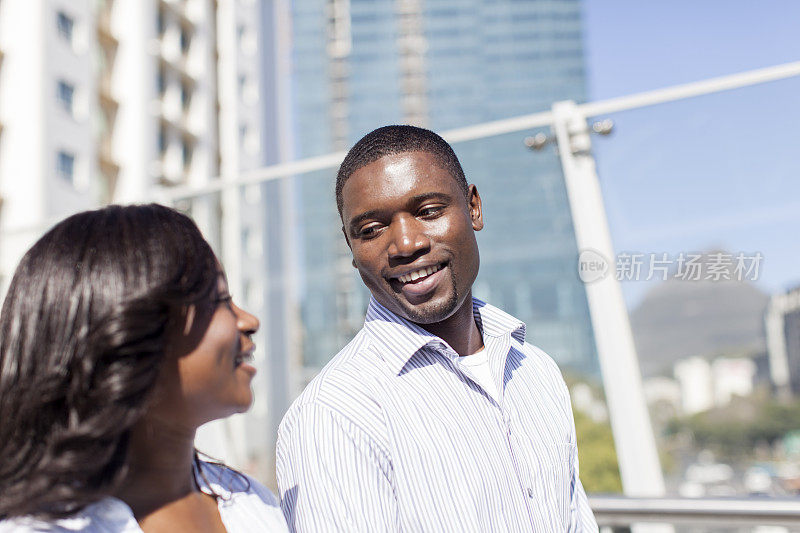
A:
(437, 416)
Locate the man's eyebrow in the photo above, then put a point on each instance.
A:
(429, 196)
(366, 215)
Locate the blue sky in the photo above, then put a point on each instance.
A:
(719, 171)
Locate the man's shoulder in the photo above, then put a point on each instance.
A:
(349, 365)
(496, 321)
(346, 387)
(544, 363)
(537, 354)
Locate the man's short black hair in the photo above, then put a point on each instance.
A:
(396, 139)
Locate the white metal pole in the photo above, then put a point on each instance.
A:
(630, 421)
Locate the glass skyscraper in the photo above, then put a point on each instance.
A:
(442, 64)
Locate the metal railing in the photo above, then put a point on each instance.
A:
(620, 511)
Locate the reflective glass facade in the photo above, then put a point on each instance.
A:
(443, 64)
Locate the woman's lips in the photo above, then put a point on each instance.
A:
(247, 367)
(244, 361)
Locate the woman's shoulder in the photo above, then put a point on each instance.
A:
(108, 514)
(235, 487)
(244, 503)
(228, 482)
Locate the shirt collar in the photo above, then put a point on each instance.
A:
(399, 339)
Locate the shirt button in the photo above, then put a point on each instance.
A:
(530, 492)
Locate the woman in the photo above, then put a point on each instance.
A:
(118, 339)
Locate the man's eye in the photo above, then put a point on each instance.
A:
(430, 211)
(368, 231)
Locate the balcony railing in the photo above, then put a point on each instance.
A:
(619, 511)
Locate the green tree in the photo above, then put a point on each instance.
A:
(599, 469)
(733, 431)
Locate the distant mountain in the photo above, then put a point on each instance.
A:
(681, 318)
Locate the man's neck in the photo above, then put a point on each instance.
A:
(459, 330)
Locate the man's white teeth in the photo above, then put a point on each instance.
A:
(421, 273)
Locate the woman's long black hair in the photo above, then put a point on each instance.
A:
(82, 336)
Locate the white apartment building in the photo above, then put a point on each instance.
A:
(122, 100)
(101, 101)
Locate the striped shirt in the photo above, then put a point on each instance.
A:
(395, 435)
(245, 506)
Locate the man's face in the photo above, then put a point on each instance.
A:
(412, 234)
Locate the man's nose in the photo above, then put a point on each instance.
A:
(408, 237)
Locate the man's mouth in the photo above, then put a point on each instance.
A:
(420, 284)
(418, 275)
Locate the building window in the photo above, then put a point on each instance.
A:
(254, 293)
(65, 26)
(187, 153)
(248, 41)
(252, 194)
(162, 139)
(242, 80)
(250, 92)
(65, 166)
(252, 242)
(161, 23)
(252, 141)
(161, 80)
(65, 95)
(186, 95)
(186, 39)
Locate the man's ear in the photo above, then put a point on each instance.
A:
(475, 208)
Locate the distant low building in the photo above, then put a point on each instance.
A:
(732, 376)
(694, 376)
(663, 390)
(782, 320)
(706, 384)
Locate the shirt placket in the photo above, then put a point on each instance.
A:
(502, 415)
(503, 344)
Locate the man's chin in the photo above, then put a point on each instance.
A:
(430, 312)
